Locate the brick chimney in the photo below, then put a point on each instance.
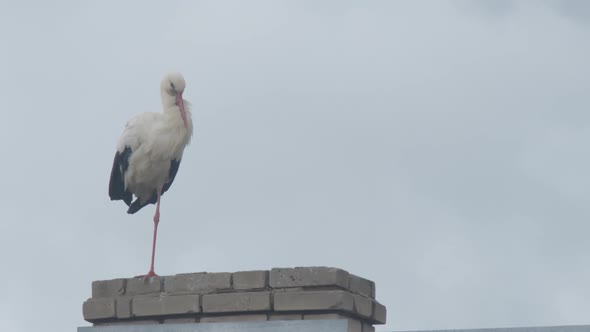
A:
(301, 297)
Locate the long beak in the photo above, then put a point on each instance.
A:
(180, 104)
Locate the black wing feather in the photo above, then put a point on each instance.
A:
(174, 165)
(117, 182)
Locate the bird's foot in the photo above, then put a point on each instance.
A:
(150, 274)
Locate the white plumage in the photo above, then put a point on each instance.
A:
(155, 140)
(150, 150)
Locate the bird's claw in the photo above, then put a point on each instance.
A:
(150, 274)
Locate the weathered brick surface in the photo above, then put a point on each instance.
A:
(138, 286)
(123, 306)
(308, 277)
(285, 317)
(362, 286)
(234, 318)
(354, 325)
(314, 300)
(249, 280)
(108, 288)
(165, 305)
(279, 294)
(197, 283)
(237, 302)
(100, 308)
(363, 306)
(379, 313)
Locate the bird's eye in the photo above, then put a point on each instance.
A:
(172, 85)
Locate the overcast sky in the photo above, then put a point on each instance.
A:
(439, 148)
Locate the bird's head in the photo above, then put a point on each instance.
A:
(173, 85)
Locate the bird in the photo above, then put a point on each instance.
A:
(149, 153)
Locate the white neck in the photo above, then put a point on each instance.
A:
(168, 101)
(173, 112)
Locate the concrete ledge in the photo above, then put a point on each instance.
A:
(235, 318)
(281, 294)
(332, 325)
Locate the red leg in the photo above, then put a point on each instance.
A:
(151, 273)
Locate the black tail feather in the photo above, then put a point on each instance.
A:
(136, 205)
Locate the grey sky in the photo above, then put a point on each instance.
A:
(436, 147)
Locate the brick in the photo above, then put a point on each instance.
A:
(363, 306)
(165, 305)
(285, 317)
(197, 283)
(234, 318)
(368, 327)
(362, 286)
(138, 286)
(180, 320)
(379, 313)
(249, 280)
(308, 277)
(314, 300)
(94, 309)
(108, 288)
(353, 324)
(236, 302)
(123, 307)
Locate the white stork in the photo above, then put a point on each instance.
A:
(149, 153)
